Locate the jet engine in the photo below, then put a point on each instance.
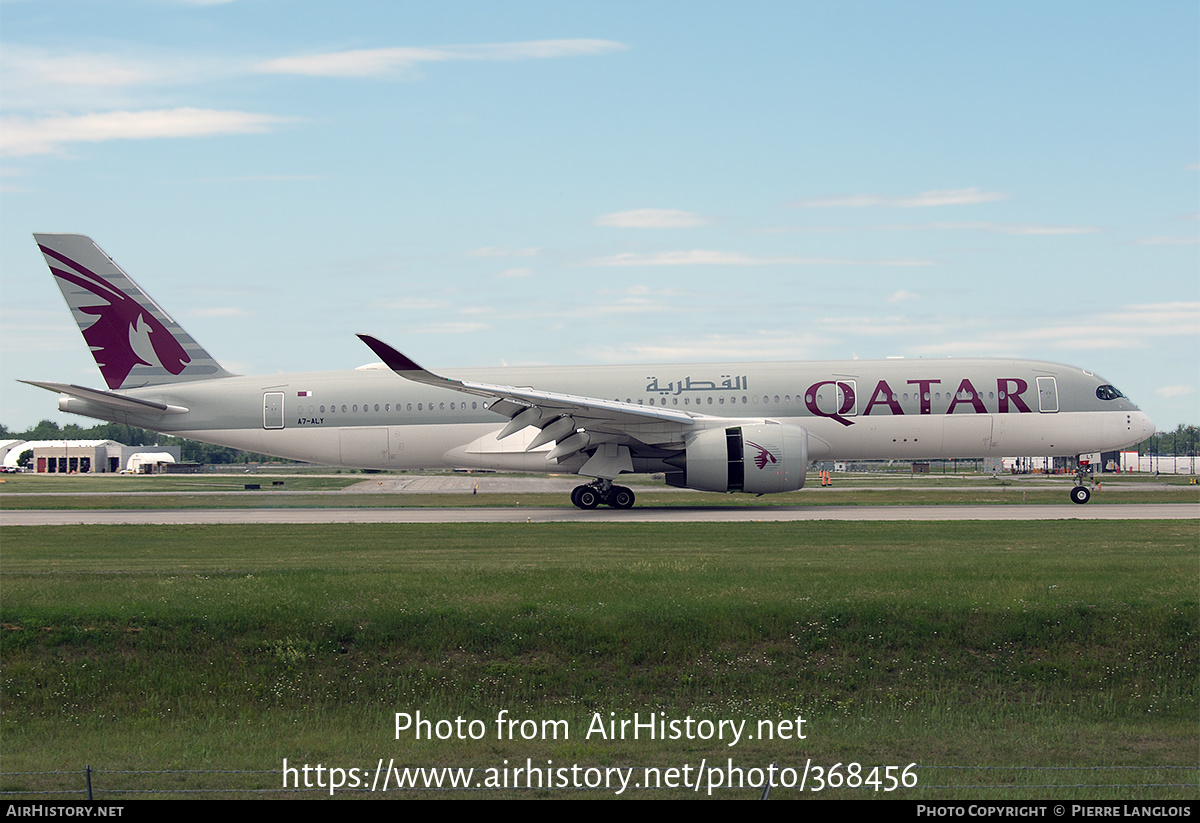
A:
(761, 458)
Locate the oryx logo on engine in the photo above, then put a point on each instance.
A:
(763, 457)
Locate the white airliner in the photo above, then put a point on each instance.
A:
(722, 427)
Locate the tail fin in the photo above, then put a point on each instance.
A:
(135, 343)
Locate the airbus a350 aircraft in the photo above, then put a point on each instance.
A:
(722, 427)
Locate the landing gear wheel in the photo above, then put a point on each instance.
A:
(1080, 495)
(575, 496)
(620, 498)
(585, 497)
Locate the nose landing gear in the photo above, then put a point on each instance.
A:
(1080, 493)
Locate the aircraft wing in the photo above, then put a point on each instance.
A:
(573, 421)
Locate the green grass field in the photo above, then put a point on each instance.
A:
(971, 649)
(305, 491)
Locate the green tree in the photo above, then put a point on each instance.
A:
(44, 430)
(1184, 440)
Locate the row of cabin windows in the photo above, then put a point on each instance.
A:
(367, 408)
(787, 398)
(720, 401)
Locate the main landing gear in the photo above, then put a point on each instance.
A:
(602, 491)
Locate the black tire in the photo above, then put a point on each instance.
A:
(620, 498)
(1080, 495)
(575, 496)
(588, 498)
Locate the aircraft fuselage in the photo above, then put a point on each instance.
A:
(857, 409)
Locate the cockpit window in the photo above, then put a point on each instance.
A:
(1108, 393)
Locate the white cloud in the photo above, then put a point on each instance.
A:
(26, 67)
(382, 62)
(497, 251)
(1179, 316)
(768, 345)
(939, 197)
(943, 225)
(224, 311)
(46, 135)
(264, 178)
(995, 228)
(11, 172)
(517, 272)
(63, 80)
(450, 328)
(701, 257)
(653, 219)
(1142, 326)
(1174, 391)
(411, 304)
(639, 299)
(901, 296)
(1168, 241)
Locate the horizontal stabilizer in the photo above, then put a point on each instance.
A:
(106, 398)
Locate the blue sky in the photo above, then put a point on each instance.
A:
(522, 182)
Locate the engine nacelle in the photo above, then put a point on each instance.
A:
(762, 458)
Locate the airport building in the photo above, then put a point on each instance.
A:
(88, 457)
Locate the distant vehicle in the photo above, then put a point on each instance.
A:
(746, 427)
(9, 470)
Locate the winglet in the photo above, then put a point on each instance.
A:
(391, 358)
(409, 370)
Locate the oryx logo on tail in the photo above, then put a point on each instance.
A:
(123, 335)
(133, 341)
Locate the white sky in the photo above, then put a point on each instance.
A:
(591, 182)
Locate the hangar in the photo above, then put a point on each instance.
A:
(87, 456)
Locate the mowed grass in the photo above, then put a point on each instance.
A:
(646, 498)
(117, 484)
(1005, 644)
(304, 491)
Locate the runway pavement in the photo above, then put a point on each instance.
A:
(700, 514)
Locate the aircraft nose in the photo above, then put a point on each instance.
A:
(1143, 425)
